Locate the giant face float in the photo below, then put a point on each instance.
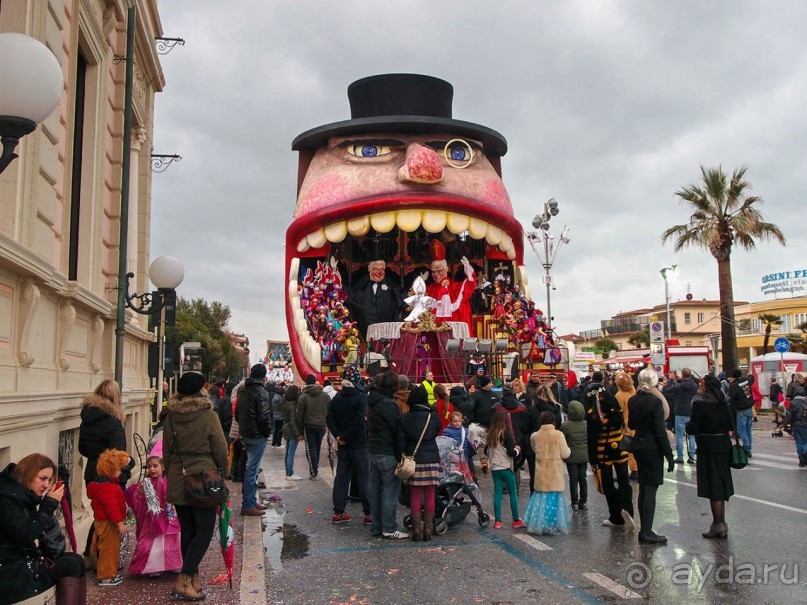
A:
(405, 183)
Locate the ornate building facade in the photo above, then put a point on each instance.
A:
(59, 232)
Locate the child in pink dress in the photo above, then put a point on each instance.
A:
(158, 538)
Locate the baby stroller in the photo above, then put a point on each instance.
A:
(456, 492)
(781, 424)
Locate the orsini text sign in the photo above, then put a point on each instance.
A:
(785, 282)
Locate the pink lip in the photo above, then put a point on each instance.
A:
(309, 222)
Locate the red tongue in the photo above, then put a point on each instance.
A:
(423, 165)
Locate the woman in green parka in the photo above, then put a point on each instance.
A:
(193, 439)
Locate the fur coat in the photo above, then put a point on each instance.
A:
(551, 450)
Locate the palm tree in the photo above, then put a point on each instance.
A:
(722, 215)
(769, 320)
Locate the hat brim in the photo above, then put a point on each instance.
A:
(493, 142)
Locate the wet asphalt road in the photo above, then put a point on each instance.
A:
(310, 560)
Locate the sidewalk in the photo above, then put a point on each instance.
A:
(249, 576)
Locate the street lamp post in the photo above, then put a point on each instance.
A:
(541, 221)
(664, 273)
(31, 84)
(166, 273)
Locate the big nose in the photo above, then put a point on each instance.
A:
(422, 165)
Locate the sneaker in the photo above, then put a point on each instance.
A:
(260, 485)
(396, 535)
(583, 505)
(630, 525)
(116, 581)
(575, 507)
(690, 461)
(368, 519)
(312, 477)
(294, 478)
(497, 525)
(518, 524)
(341, 518)
(679, 460)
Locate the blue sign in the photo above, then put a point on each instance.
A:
(782, 345)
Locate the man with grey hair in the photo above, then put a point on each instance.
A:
(374, 298)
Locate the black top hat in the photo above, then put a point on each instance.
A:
(406, 103)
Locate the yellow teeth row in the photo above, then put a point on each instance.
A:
(433, 221)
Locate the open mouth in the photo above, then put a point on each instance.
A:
(399, 227)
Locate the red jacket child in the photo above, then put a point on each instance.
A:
(108, 501)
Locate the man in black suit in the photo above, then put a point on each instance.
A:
(374, 298)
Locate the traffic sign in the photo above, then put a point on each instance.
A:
(656, 331)
(781, 344)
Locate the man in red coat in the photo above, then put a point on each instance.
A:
(453, 297)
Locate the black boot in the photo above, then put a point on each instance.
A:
(647, 512)
(71, 591)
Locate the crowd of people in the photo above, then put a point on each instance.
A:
(617, 425)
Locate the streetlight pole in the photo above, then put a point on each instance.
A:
(664, 272)
(541, 221)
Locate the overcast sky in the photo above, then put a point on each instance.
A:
(607, 106)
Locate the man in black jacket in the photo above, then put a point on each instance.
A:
(346, 421)
(679, 394)
(384, 420)
(742, 400)
(255, 428)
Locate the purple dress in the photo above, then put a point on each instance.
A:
(158, 535)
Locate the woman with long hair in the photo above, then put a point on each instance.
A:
(650, 447)
(501, 448)
(32, 547)
(442, 405)
(712, 423)
(101, 429)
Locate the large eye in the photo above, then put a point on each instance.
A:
(458, 153)
(367, 150)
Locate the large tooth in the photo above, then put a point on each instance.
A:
(302, 326)
(434, 221)
(526, 290)
(494, 235)
(477, 228)
(522, 274)
(294, 267)
(293, 288)
(511, 253)
(299, 313)
(457, 223)
(357, 227)
(506, 246)
(383, 222)
(295, 303)
(408, 220)
(303, 246)
(336, 232)
(316, 354)
(316, 239)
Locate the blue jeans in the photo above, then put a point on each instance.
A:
(384, 490)
(744, 420)
(680, 433)
(254, 447)
(291, 449)
(800, 435)
(347, 461)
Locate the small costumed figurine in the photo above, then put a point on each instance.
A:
(419, 302)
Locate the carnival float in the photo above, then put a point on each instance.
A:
(404, 251)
